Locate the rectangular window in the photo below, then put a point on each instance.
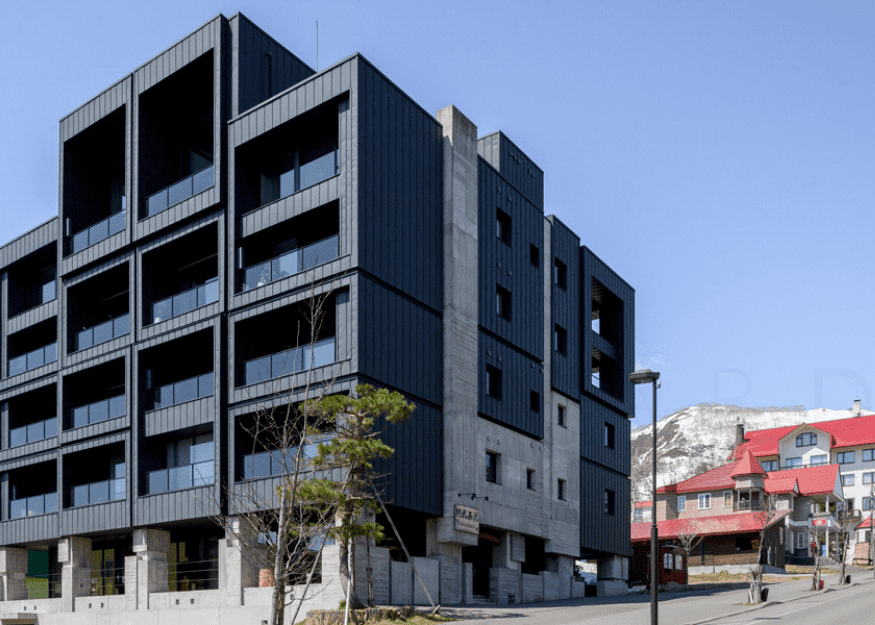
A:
(845, 457)
(800, 540)
(493, 382)
(727, 498)
(609, 435)
(794, 462)
(848, 480)
(530, 479)
(770, 465)
(867, 478)
(867, 503)
(534, 256)
(638, 515)
(560, 274)
(560, 415)
(668, 561)
(502, 303)
(560, 339)
(806, 440)
(492, 467)
(704, 501)
(868, 455)
(849, 504)
(609, 502)
(682, 503)
(560, 489)
(502, 226)
(819, 460)
(534, 401)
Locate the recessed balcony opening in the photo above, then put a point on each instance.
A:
(176, 137)
(94, 476)
(289, 248)
(297, 155)
(179, 371)
(108, 565)
(33, 416)
(193, 559)
(32, 281)
(94, 395)
(183, 459)
(607, 375)
(95, 198)
(98, 309)
(33, 490)
(33, 347)
(607, 314)
(181, 276)
(288, 340)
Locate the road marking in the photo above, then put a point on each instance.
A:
(805, 607)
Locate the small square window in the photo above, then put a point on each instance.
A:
(502, 225)
(560, 489)
(534, 401)
(609, 502)
(492, 467)
(848, 480)
(868, 455)
(502, 303)
(534, 255)
(560, 339)
(530, 479)
(560, 274)
(609, 435)
(493, 382)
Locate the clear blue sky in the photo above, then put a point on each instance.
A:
(719, 155)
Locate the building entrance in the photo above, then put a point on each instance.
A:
(480, 558)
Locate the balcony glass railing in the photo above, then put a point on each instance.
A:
(183, 391)
(33, 360)
(182, 190)
(268, 463)
(99, 492)
(319, 169)
(33, 432)
(99, 411)
(276, 187)
(289, 361)
(32, 506)
(103, 332)
(290, 263)
(177, 478)
(98, 232)
(186, 301)
(48, 292)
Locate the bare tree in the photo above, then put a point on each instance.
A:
(765, 518)
(847, 521)
(815, 578)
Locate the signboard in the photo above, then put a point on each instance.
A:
(817, 522)
(467, 519)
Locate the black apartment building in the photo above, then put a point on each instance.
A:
(203, 199)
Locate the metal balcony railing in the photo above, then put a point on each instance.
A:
(108, 581)
(33, 360)
(99, 411)
(182, 190)
(33, 432)
(99, 492)
(269, 463)
(743, 506)
(186, 301)
(183, 391)
(103, 332)
(32, 506)
(289, 361)
(178, 478)
(290, 263)
(98, 232)
(43, 586)
(196, 575)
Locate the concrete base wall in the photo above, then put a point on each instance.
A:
(731, 568)
(533, 588)
(578, 589)
(504, 586)
(402, 583)
(612, 587)
(430, 572)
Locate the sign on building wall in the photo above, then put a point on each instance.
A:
(467, 519)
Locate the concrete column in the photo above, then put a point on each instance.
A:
(150, 571)
(74, 553)
(240, 559)
(613, 576)
(13, 569)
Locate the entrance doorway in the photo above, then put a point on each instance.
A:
(480, 558)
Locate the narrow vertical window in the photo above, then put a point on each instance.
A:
(560, 489)
(609, 502)
(502, 303)
(534, 255)
(560, 415)
(560, 340)
(530, 479)
(493, 382)
(609, 435)
(560, 274)
(492, 467)
(534, 401)
(503, 226)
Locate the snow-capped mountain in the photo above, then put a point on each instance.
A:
(700, 438)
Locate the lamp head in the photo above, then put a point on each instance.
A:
(643, 376)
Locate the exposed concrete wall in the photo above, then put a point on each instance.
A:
(613, 576)
(532, 588)
(504, 586)
(13, 569)
(402, 583)
(74, 553)
(429, 571)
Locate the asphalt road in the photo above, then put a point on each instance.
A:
(853, 605)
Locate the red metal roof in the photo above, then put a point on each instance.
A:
(715, 479)
(843, 433)
(738, 523)
(810, 480)
(865, 524)
(668, 488)
(779, 485)
(643, 504)
(748, 465)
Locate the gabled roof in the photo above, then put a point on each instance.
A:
(820, 480)
(715, 479)
(865, 524)
(809, 426)
(843, 433)
(738, 523)
(781, 485)
(804, 481)
(668, 488)
(748, 465)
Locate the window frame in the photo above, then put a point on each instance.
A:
(800, 540)
(560, 340)
(868, 477)
(503, 227)
(561, 488)
(560, 274)
(530, 479)
(810, 437)
(819, 460)
(731, 495)
(493, 382)
(793, 463)
(842, 455)
(706, 497)
(610, 502)
(503, 303)
(560, 415)
(682, 503)
(871, 453)
(493, 460)
(610, 436)
(848, 479)
(535, 401)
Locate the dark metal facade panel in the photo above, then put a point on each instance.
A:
(252, 495)
(29, 376)
(261, 66)
(94, 254)
(31, 317)
(520, 376)
(602, 533)
(38, 447)
(97, 108)
(97, 518)
(30, 529)
(515, 166)
(593, 417)
(509, 265)
(180, 416)
(191, 503)
(414, 473)
(565, 308)
(29, 242)
(591, 266)
(27, 461)
(288, 207)
(410, 356)
(399, 209)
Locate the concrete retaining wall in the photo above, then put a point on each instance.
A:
(533, 588)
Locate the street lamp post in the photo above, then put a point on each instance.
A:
(646, 376)
(871, 527)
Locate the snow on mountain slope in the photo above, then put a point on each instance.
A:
(700, 438)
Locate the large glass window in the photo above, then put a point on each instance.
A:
(189, 463)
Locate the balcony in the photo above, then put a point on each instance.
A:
(290, 263)
(279, 185)
(33, 432)
(33, 360)
(98, 232)
(178, 478)
(183, 391)
(185, 302)
(106, 331)
(180, 191)
(269, 463)
(99, 492)
(289, 361)
(99, 411)
(32, 506)
(747, 506)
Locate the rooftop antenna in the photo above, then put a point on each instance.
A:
(317, 45)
